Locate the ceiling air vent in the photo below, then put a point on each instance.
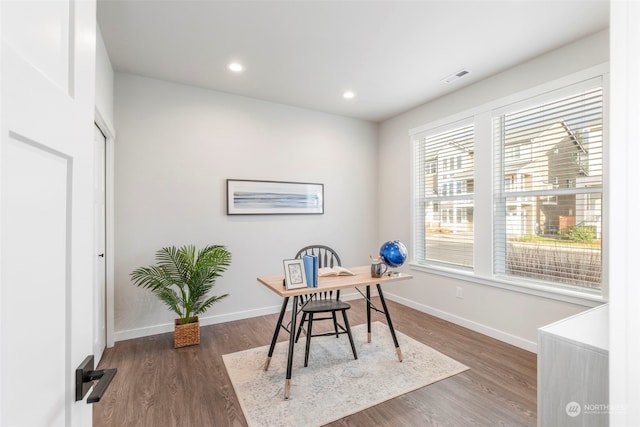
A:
(455, 76)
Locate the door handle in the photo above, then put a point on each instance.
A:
(85, 377)
(101, 255)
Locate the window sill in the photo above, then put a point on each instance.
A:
(584, 298)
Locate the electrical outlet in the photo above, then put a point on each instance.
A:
(458, 292)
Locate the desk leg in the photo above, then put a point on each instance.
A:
(386, 313)
(292, 341)
(368, 313)
(276, 332)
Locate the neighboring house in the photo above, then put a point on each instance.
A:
(550, 158)
(546, 159)
(589, 206)
(450, 173)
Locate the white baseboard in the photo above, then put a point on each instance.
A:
(204, 321)
(461, 321)
(212, 320)
(239, 315)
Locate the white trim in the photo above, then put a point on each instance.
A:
(571, 79)
(110, 136)
(247, 314)
(204, 321)
(540, 290)
(483, 273)
(569, 89)
(215, 319)
(466, 323)
(606, 190)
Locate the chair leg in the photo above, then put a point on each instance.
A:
(306, 350)
(335, 323)
(348, 327)
(304, 316)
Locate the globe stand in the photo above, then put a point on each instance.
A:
(392, 273)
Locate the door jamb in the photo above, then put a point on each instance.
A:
(110, 135)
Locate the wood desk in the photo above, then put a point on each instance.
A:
(362, 278)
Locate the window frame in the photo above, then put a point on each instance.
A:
(482, 273)
(500, 195)
(447, 189)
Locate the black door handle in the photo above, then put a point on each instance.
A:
(86, 375)
(101, 255)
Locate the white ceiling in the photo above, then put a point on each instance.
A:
(392, 54)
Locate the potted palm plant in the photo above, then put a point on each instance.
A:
(182, 280)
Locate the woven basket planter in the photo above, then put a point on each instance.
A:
(185, 335)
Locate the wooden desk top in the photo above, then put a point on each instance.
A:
(362, 278)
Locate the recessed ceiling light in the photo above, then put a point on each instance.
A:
(348, 95)
(235, 67)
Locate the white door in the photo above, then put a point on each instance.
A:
(99, 230)
(46, 209)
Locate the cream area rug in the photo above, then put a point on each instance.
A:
(334, 385)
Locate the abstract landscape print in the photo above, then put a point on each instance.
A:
(246, 197)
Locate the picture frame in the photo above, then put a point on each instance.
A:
(250, 197)
(294, 274)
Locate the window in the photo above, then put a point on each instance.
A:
(549, 228)
(444, 218)
(431, 167)
(529, 170)
(512, 153)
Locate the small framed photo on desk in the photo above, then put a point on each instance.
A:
(294, 274)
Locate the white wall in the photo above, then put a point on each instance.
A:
(505, 314)
(178, 144)
(104, 81)
(624, 321)
(176, 147)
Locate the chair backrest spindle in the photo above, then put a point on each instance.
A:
(327, 257)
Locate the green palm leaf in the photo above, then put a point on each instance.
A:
(182, 279)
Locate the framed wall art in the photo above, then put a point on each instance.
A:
(246, 197)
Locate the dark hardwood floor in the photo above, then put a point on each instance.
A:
(159, 386)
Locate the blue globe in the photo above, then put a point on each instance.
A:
(394, 254)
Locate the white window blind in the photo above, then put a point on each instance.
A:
(548, 189)
(443, 194)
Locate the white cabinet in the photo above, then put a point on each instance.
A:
(573, 370)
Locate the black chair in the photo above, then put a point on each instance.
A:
(323, 303)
